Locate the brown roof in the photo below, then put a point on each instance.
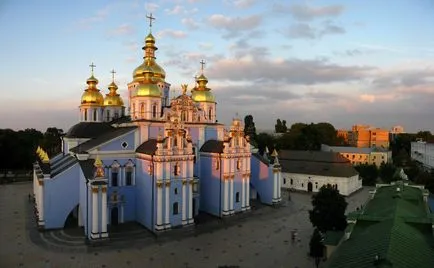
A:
(212, 146)
(148, 147)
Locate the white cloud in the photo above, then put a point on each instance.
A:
(99, 16)
(180, 10)
(171, 33)
(309, 12)
(124, 29)
(205, 46)
(190, 23)
(234, 25)
(151, 7)
(242, 3)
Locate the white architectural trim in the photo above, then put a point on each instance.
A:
(104, 213)
(184, 206)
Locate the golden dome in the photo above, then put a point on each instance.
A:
(202, 96)
(113, 99)
(154, 68)
(147, 90)
(92, 96)
(150, 38)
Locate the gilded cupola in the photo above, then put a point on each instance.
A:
(148, 88)
(91, 94)
(201, 93)
(113, 98)
(149, 59)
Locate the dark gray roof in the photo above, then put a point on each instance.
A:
(148, 147)
(318, 168)
(120, 120)
(312, 156)
(88, 168)
(212, 146)
(107, 136)
(62, 164)
(88, 130)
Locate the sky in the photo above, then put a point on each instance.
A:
(343, 62)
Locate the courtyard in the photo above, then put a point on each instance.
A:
(261, 238)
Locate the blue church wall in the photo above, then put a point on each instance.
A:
(262, 180)
(83, 199)
(116, 145)
(210, 188)
(154, 131)
(210, 133)
(61, 196)
(194, 132)
(144, 188)
(176, 220)
(128, 203)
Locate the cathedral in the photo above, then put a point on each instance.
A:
(160, 162)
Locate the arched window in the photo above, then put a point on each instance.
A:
(183, 117)
(154, 111)
(142, 110)
(237, 197)
(108, 115)
(175, 208)
(209, 113)
(94, 115)
(238, 164)
(129, 175)
(115, 172)
(291, 182)
(134, 111)
(176, 169)
(176, 190)
(85, 114)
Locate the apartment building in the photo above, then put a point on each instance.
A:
(357, 156)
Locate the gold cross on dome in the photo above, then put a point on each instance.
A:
(150, 20)
(113, 74)
(92, 66)
(202, 63)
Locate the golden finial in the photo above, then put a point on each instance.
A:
(91, 67)
(38, 150)
(274, 154)
(202, 63)
(150, 21)
(99, 168)
(113, 75)
(184, 88)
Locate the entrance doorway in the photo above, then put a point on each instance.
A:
(114, 219)
(72, 219)
(309, 187)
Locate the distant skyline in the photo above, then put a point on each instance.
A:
(343, 62)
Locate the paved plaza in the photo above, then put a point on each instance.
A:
(261, 238)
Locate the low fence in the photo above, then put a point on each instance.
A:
(11, 176)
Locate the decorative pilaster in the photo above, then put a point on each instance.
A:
(231, 184)
(159, 225)
(95, 231)
(167, 203)
(248, 192)
(243, 189)
(279, 189)
(190, 202)
(40, 205)
(225, 195)
(104, 233)
(184, 201)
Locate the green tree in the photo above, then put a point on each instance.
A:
(249, 127)
(328, 213)
(426, 179)
(368, 173)
(265, 140)
(52, 141)
(316, 247)
(387, 172)
(412, 170)
(278, 127)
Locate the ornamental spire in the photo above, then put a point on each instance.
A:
(150, 21)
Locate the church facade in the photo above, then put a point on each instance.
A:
(160, 165)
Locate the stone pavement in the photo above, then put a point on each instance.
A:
(261, 238)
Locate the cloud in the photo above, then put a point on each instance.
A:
(378, 48)
(349, 53)
(308, 12)
(289, 71)
(303, 30)
(242, 3)
(171, 33)
(124, 29)
(234, 25)
(99, 16)
(190, 23)
(151, 7)
(180, 10)
(205, 45)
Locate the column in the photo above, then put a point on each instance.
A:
(190, 202)
(248, 192)
(231, 183)
(279, 189)
(94, 212)
(104, 212)
(40, 204)
(184, 200)
(243, 189)
(274, 185)
(167, 218)
(159, 205)
(225, 196)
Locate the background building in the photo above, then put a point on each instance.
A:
(423, 152)
(364, 136)
(357, 156)
(310, 170)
